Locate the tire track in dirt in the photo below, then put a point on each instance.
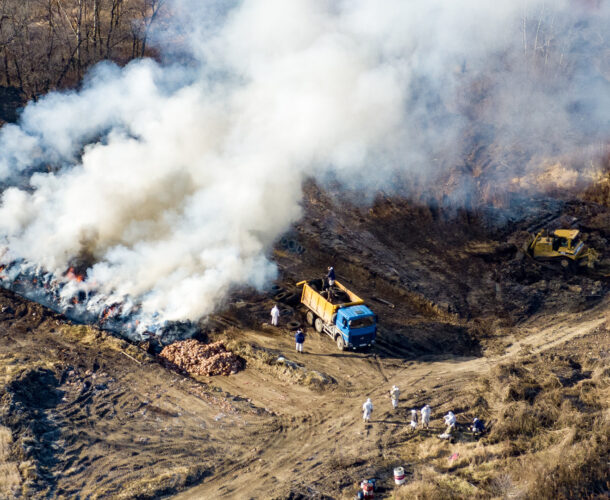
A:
(379, 366)
(285, 432)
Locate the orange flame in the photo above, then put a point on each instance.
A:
(106, 313)
(109, 310)
(73, 275)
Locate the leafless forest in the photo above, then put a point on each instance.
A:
(48, 44)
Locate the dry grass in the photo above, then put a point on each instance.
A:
(269, 362)
(599, 192)
(429, 484)
(549, 439)
(6, 439)
(11, 366)
(154, 485)
(90, 336)
(10, 480)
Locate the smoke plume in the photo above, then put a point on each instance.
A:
(168, 182)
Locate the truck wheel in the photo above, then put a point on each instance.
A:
(319, 325)
(340, 343)
(310, 317)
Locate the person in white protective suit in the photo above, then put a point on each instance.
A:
(275, 315)
(413, 420)
(425, 416)
(394, 395)
(450, 421)
(367, 409)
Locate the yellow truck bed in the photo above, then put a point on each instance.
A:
(322, 307)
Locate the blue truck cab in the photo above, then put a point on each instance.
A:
(357, 325)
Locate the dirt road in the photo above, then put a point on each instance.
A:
(312, 431)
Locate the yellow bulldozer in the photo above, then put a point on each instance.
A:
(563, 249)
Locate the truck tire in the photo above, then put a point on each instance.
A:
(310, 317)
(340, 343)
(319, 325)
(286, 311)
(293, 325)
(291, 299)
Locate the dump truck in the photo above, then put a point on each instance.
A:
(562, 248)
(339, 313)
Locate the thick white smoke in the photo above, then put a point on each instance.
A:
(173, 181)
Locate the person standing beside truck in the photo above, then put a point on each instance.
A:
(275, 315)
(299, 338)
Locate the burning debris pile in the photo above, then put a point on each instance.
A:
(201, 359)
(79, 299)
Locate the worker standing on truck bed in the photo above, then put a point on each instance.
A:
(394, 394)
(299, 338)
(330, 277)
(367, 409)
(275, 315)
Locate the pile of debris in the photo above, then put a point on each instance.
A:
(197, 358)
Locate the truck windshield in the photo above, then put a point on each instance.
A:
(362, 322)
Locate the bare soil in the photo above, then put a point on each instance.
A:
(86, 415)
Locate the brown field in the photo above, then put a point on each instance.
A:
(465, 325)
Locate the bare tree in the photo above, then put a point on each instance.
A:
(150, 13)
